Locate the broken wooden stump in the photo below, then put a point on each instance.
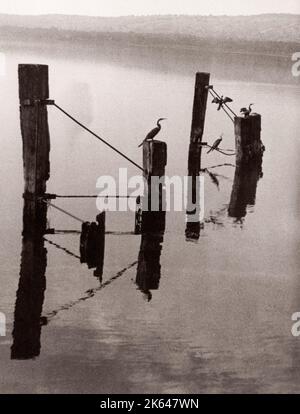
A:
(249, 147)
(154, 202)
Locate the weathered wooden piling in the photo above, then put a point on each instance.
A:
(194, 158)
(248, 143)
(33, 95)
(154, 163)
(198, 122)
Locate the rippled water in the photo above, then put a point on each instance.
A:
(220, 320)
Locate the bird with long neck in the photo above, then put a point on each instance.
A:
(152, 134)
(247, 111)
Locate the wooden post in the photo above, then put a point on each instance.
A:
(247, 138)
(33, 92)
(194, 159)
(154, 163)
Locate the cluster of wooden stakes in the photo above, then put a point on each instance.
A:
(34, 99)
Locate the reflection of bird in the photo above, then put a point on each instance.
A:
(153, 132)
(214, 179)
(221, 101)
(215, 144)
(247, 111)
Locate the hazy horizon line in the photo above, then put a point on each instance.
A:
(150, 15)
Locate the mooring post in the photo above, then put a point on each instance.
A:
(154, 163)
(248, 143)
(194, 158)
(33, 94)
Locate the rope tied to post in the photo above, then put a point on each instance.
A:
(97, 136)
(222, 151)
(64, 249)
(222, 103)
(54, 196)
(63, 211)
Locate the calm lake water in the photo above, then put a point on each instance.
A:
(221, 318)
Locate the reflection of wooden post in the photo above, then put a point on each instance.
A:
(32, 284)
(138, 216)
(244, 189)
(101, 240)
(33, 92)
(247, 138)
(148, 269)
(154, 163)
(194, 160)
(92, 244)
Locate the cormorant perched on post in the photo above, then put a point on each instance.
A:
(221, 101)
(150, 136)
(215, 144)
(247, 111)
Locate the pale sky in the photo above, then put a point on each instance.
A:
(145, 7)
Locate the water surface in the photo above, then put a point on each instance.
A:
(220, 320)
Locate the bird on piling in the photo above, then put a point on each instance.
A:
(152, 134)
(216, 144)
(221, 101)
(247, 111)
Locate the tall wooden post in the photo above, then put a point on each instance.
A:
(33, 94)
(247, 138)
(194, 159)
(154, 163)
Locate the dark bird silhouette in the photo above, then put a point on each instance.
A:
(221, 101)
(215, 144)
(247, 111)
(150, 136)
(214, 179)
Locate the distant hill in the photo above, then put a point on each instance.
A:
(266, 27)
(267, 33)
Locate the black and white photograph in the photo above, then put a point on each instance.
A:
(150, 202)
